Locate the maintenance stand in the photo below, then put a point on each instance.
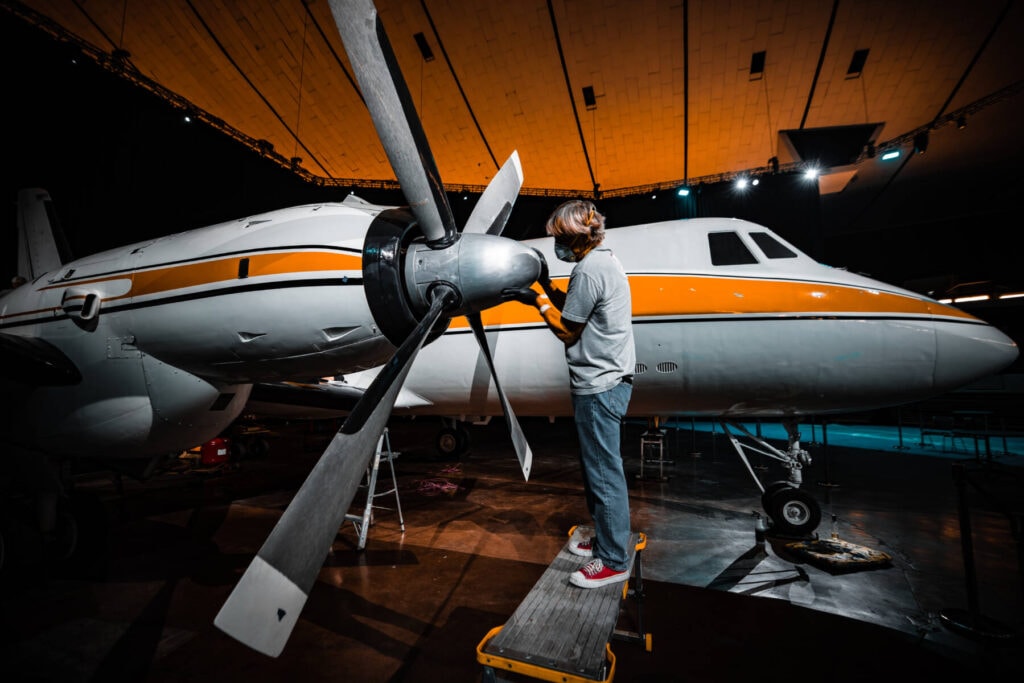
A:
(561, 632)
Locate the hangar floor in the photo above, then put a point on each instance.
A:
(413, 606)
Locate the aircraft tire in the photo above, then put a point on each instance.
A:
(769, 492)
(452, 442)
(794, 512)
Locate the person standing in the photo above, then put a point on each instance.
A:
(593, 318)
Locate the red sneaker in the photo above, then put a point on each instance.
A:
(583, 548)
(594, 574)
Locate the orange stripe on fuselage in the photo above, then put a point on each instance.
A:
(694, 295)
(159, 280)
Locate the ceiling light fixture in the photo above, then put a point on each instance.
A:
(589, 98)
(421, 41)
(757, 65)
(857, 63)
(921, 142)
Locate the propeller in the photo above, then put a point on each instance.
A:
(431, 279)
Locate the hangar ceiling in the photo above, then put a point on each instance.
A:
(621, 96)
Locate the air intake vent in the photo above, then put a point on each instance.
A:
(667, 366)
(640, 369)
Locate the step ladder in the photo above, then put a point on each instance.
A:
(562, 633)
(652, 452)
(362, 522)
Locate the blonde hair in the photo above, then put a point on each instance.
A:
(575, 219)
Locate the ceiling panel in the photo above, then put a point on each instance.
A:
(675, 99)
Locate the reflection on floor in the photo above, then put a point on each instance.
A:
(413, 606)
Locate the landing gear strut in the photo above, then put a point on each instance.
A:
(792, 511)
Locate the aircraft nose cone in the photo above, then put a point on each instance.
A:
(967, 353)
(489, 264)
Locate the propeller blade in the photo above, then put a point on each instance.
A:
(492, 210)
(263, 608)
(394, 116)
(523, 451)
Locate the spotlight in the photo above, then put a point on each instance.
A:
(741, 183)
(683, 191)
(961, 122)
(811, 173)
(755, 182)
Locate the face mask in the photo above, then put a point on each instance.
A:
(564, 253)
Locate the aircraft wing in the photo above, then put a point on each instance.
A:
(35, 362)
(317, 399)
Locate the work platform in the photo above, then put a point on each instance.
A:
(561, 632)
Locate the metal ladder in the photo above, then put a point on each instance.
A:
(362, 522)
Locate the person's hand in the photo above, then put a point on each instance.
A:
(545, 276)
(523, 295)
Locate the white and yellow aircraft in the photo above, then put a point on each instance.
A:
(155, 347)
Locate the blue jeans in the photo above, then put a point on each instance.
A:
(598, 421)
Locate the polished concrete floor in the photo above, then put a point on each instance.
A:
(414, 605)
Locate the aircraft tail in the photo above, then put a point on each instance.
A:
(42, 246)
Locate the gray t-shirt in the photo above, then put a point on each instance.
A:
(598, 295)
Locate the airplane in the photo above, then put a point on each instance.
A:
(155, 347)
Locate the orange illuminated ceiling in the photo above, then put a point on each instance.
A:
(674, 96)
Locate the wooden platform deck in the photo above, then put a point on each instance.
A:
(560, 632)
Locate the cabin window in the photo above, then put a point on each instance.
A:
(727, 249)
(771, 247)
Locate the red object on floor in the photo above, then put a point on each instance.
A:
(214, 452)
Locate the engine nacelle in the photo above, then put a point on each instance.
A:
(399, 272)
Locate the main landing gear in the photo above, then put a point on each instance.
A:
(792, 511)
(453, 440)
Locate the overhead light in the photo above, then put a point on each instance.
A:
(683, 191)
(968, 299)
(891, 154)
(1012, 295)
(741, 183)
(961, 122)
(811, 173)
(755, 182)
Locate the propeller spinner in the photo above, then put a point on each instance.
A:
(418, 271)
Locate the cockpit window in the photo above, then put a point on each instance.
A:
(771, 247)
(727, 249)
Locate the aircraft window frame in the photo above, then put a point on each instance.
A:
(771, 247)
(727, 248)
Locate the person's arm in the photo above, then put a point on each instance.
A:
(566, 330)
